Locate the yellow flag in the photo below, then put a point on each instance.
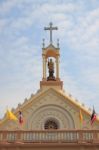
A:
(11, 116)
(1, 122)
(80, 116)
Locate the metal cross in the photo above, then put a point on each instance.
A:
(50, 28)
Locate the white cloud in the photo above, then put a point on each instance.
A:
(7, 5)
(63, 8)
(85, 34)
(42, 12)
(3, 23)
(21, 69)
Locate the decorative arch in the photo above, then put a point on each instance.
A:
(59, 115)
(51, 53)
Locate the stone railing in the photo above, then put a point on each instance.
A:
(50, 136)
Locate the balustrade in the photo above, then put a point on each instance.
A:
(50, 136)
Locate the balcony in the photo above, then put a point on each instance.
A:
(50, 136)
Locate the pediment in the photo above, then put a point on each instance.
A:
(51, 46)
(50, 103)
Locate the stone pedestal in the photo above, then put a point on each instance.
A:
(51, 83)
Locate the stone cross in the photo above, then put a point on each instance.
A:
(50, 28)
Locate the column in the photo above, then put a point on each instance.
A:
(44, 67)
(57, 67)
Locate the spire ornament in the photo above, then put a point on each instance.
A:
(51, 28)
(57, 43)
(43, 44)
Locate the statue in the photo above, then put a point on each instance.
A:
(51, 70)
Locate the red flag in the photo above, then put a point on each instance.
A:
(93, 116)
(20, 117)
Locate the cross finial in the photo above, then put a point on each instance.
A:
(51, 28)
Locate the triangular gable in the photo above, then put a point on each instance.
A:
(51, 46)
(60, 93)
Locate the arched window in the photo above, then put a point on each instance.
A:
(50, 124)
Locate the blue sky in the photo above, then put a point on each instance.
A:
(21, 33)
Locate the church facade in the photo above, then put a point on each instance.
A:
(51, 116)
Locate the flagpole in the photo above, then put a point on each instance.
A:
(80, 118)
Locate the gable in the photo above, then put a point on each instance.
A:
(53, 105)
